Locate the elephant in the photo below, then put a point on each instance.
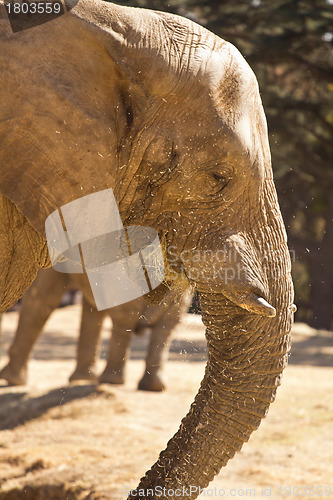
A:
(136, 316)
(168, 116)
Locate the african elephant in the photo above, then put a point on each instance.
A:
(44, 296)
(169, 117)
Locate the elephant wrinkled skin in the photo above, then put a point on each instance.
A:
(169, 116)
(136, 316)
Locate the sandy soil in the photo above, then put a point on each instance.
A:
(94, 442)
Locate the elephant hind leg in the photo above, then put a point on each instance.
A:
(14, 376)
(38, 303)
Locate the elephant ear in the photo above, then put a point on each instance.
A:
(57, 133)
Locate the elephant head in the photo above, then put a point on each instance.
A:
(169, 116)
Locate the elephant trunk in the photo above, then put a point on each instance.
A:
(247, 353)
(242, 375)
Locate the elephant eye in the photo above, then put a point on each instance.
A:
(221, 180)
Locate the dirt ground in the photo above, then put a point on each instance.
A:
(95, 442)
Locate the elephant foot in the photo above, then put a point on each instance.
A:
(112, 377)
(14, 376)
(151, 382)
(83, 374)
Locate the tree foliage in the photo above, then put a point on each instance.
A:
(289, 44)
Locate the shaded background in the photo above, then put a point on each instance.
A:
(289, 44)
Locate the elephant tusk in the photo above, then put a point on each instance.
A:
(294, 308)
(259, 305)
(253, 303)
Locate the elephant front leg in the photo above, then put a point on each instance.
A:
(90, 332)
(153, 379)
(114, 372)
(160, 339)
(38, 303)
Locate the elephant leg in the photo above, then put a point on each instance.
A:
(90, 331)
(163, 319)
(114, 372)
(153, 379)
(38, 303)
(124, 321)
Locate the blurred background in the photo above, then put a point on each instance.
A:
(289, 45)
